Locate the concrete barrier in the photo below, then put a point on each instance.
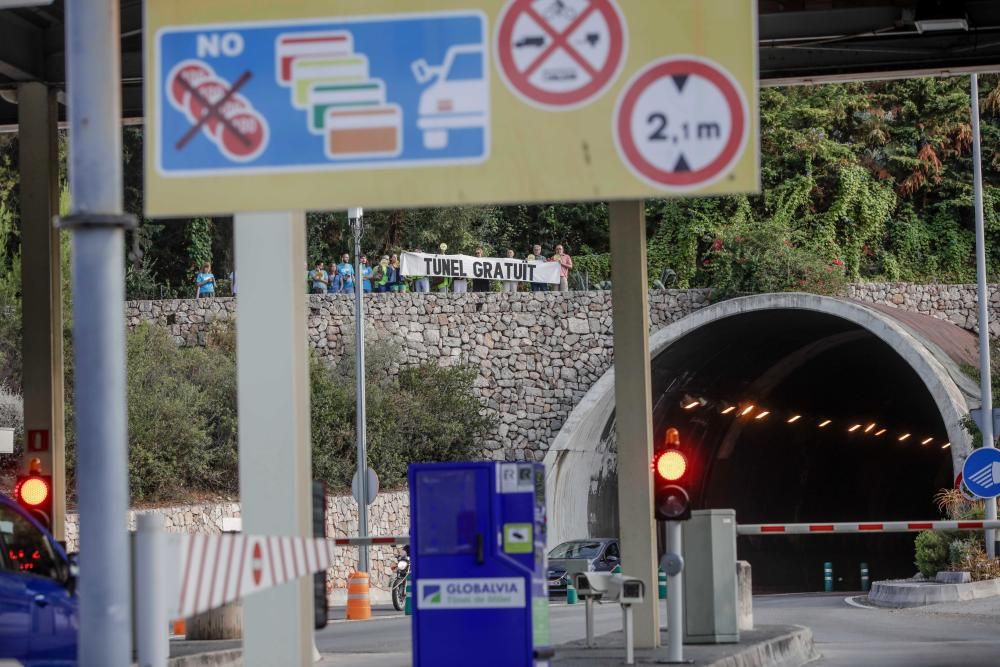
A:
(905, 593)
(744, 596)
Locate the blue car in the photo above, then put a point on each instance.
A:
(39, 616)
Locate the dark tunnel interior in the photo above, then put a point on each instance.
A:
(825, 439)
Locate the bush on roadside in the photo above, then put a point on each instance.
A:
(931, 552)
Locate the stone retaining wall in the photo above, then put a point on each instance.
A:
(537, 353)
(388, 515)
(955, 303)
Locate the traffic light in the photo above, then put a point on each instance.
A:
(671, 477)
(34, 493)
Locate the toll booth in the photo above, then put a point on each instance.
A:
(477, 544)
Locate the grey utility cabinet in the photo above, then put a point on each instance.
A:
(710, 578)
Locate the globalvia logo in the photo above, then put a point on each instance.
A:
(484, 593)
(432, 594)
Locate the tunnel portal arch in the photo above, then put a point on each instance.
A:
(581, 482)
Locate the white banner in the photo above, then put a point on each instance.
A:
(489, 268)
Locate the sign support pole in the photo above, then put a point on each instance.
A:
(356, 218)
(41, 280)
(633, 398)
(95, 171)
(985, 374)
(273, 396)
(675, 597)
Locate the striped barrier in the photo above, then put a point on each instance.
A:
(866, 527)
(215, 570)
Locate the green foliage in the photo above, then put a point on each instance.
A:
(596, 268)
(183, 426)
(422, 413)
(932, 552)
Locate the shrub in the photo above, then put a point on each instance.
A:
(931, 552)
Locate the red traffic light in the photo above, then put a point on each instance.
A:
(32, 491)
(670, 465)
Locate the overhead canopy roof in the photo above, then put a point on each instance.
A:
(800, 41)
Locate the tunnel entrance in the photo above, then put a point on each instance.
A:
(796, 416)
(796, 409)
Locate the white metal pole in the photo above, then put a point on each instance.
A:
(356, 217)
(152, 641)
(985, 381)
(95, 172)
(629, 634)
(588, 604)
(675, 597)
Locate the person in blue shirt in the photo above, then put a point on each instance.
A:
(345, 275)
(366, 274)
(319, 279)
(205, 281)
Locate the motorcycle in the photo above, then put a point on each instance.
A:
(398, 584)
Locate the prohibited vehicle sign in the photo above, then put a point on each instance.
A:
(681, 123)
(560, 54)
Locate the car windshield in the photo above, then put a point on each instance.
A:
(578, 549)
(466, 67)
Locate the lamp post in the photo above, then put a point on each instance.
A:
(357, 221)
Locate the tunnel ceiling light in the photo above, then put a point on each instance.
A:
(868, 429)
(794, 419)
(882, 432)
(747, 410)
(728, 410)
(854, 428)
(825, 423)
(926, 441)
(763, 414)
(692, 404)
(946, 445)
(904, 437)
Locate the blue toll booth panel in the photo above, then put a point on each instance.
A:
(477, 533)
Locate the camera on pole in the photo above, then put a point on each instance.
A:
(671, 480)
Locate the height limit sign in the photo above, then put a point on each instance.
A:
(681, 123)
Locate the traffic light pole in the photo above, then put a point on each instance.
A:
(985, 374)
(673, 565)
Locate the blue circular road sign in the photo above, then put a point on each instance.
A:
(981, 472)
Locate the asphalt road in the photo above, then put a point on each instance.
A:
(847, 636)
(389, 631)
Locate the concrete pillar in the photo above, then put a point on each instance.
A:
(41, 280)
(275, 462)
(634, 409)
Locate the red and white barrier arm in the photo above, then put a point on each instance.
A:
(864, 527)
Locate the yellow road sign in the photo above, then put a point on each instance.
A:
(398, 103)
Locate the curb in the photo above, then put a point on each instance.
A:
(903, 594)
(230, 658)
(793, 649)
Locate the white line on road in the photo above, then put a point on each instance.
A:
(853, 602)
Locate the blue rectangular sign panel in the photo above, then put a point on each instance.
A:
(408, 90)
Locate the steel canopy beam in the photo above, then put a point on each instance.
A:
(22, 57)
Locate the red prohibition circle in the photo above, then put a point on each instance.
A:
(675, 67)
(600, 80)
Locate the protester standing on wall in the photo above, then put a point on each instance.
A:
(366, 274)
(536, 254)
(205, 281)
(480, 284)
(345, 274)
(565, 264)
(318, 279)
(510, 285)
(396, 284)
(384, 275)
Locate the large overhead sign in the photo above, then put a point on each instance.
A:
(398, 103)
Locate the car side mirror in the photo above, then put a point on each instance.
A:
(611, 559)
